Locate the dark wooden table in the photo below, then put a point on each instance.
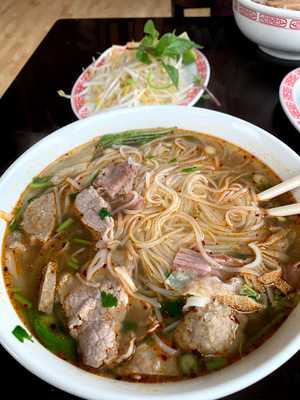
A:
(243, 79)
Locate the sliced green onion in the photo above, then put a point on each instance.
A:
(215, 363)
(188, 364)
(189, 170)
(81, 241)
(22, 300)
(65, 225)
(15, 223)
(73, 263)
(266, 329)
(133, 137)
(247, 290)
(41, 182)
(173, 160)
(21, 334)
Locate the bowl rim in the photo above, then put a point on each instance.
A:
(30, 355)
(276, 11)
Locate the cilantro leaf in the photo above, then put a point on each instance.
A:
(173, 73)
(103, 213)
(21, 334)
(108, 300)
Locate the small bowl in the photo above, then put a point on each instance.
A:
(200, 68)
(289, 94)
(275, 30)
(282, 345)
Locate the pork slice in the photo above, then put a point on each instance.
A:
(116, 179)
(212, 330)
(40, 217)
(94, 326)
(88, 203)
(47, 288)
(187, 259)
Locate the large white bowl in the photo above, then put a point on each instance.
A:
(275, 30)
(278, 349)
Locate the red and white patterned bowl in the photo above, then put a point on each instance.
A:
(200, 68)
(289, 94)
(275, 30)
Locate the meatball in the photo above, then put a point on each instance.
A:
(211, 330)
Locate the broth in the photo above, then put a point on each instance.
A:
(127, 255)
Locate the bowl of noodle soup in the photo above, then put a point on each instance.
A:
(217, 131)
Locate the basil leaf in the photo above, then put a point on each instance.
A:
(172, 308)
(150, 29)
(173, 73)
(142, 56)
(163, 43)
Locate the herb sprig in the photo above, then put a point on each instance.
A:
(166, 48)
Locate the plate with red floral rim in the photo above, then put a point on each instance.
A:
(289, 94)
(200, 68)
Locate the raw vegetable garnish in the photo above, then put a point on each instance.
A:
(166, 48)
(153, 71)
(133, 138)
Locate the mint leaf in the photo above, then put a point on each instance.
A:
(108, 300)
(173, 73)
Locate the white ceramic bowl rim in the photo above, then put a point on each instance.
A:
(274, 352)
(276, 11)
